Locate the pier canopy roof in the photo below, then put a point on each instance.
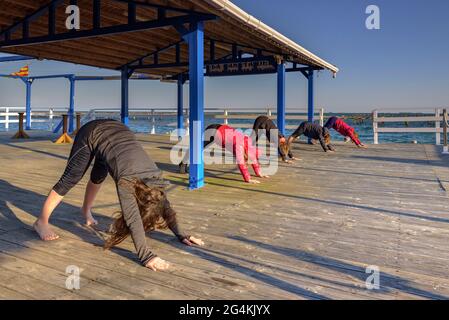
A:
(144, 35)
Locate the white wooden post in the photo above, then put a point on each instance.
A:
(6, 118)
(445, 120)
(153, 121)
(269, 112)
(437, 127)
(376, 134)
(322, 117)
(50, 118)
(187, 122)
(225, 118)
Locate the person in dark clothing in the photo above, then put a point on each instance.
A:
(139, 185)
(344, 129)
(183, 166)
(266, 124)
(313, 131)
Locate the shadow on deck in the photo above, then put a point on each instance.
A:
(309, 232)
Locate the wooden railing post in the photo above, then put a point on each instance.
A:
(64, 123)
(322, 117)
(6, 118)
(437, 127)
(375, 133)
(21, 133)
(225, 118)
(187, 122)
(153, 123)
(50, 118)
(64, 138)
(445, 146)
(78, 123)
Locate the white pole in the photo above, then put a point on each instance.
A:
(445, 120)
(6, 118)
(269, 112)
(187, 126)
(376, 134)
(153, 127)
(321, 116)
(437, 127)
(225, 119)
(50, 118)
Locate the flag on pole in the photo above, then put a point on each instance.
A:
(24, 71)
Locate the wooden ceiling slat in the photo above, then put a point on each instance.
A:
(48, 54)
(114, 50)
(121, 19)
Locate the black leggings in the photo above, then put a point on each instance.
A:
(207, 141)
(213, 128)
(81, 157)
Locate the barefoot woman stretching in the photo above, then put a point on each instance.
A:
(236, 142)
(139, 184)
(264, 123)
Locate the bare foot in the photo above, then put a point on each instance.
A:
(44, 231)
(90, 221)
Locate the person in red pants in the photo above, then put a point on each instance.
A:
(236, 142)
(344, 129)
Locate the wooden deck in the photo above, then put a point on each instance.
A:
(307, 233)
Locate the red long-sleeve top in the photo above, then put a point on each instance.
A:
(239, 144)
(346, 130)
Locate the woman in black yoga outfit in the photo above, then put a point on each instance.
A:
(313, 131)
(139, 184)
(264, 123)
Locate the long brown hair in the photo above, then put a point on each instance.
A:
(284, 145)
(155, 211)
(327, 138)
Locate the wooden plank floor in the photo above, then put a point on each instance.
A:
(307, 233)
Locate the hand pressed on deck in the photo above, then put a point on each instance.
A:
(157, 263)
(192, 240)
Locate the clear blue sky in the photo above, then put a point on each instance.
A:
(405, 64)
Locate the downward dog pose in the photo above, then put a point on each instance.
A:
(236, 142)
(266, 124)
(313, 131)
(139, 184)
(344, 129)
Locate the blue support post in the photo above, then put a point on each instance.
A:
(180, 104)
(72, 105)
(281, 98)
(28, 83)
(124, 114)
(196, 82)
(311, 107)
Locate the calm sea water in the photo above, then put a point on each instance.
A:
(364, 129)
